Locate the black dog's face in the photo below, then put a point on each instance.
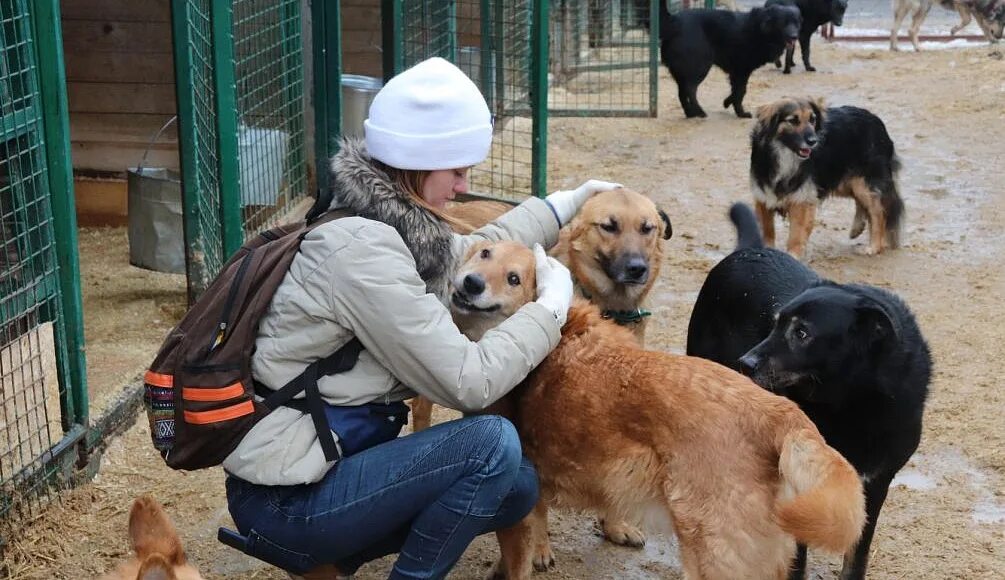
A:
(782, 22)
(794, 123)
(820, 337)
(838, 8)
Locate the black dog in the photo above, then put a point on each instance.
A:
(851, 356)
(815, 14)
(737, 42)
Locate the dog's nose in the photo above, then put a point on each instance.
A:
(811, 140)
(473, 285)
(636, 269)
(749, 363)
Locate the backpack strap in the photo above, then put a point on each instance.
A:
(339, 361)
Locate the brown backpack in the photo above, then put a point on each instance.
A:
(199, 392)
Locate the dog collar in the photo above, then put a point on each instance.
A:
(624, 317)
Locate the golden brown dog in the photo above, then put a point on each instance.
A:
(614, 249)
(158, 554)
(802, 153)
(684, 444)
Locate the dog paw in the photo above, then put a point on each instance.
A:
(811, 69)
(544, 558)
(787, 71)
(744, 115)
(623, 534)
(778, 64)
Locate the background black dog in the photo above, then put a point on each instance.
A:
(815, 14)
(692, 41)
(851, 356)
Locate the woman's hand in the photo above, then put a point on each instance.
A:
(554, 285)
(566, 203)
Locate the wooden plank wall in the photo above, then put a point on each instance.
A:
(361, 38)
(120, 81)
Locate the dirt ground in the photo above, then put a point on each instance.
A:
(945, 516)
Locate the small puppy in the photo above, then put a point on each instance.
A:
(157, 548)
(737, 42)
(802, 153)
(990, 15)
(851, 356)
(815, 14)
(737, 473)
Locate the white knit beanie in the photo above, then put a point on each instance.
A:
(429, 117)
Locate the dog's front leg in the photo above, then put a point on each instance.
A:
(916, 21)
(738, 90)
(521, 547)
(801, 219)
(804, 49)
(767, 219)
(798, 569)
(790, 60)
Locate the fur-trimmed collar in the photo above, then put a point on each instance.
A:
(359, 185)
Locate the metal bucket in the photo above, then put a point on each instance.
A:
(358, 92)
(156, 230)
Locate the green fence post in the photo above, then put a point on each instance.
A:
(326, 22)
(539, 98)
(228, 153)
(52, 80)
(392, 41)
(654, 55)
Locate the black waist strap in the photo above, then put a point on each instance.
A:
(339, 361)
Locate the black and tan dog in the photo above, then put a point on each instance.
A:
(851, 356)
(802, 153)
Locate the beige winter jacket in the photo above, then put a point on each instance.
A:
(357, 276)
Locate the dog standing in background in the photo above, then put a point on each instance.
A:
(815, 14)
(691, 41)
(802, 153)
(990, 16)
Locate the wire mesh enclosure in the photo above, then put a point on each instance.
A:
(603, 58)
(241, 105)
(497, 43)
(39, 419)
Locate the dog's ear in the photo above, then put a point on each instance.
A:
(667, 226)
(768, 118)
(876, 321)
(819, 107)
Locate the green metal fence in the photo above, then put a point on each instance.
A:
(43, 395)
(498, 43)
(604, 60)
(241, 105)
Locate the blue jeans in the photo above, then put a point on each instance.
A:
(425, 496)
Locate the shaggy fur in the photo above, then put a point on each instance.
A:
(802, 153)
(737, 42)
(683, 444)
(851, 356)
(359, 185)
(158, 553)
(990, 15)
(815, 13)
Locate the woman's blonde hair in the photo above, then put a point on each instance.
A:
(410, 181)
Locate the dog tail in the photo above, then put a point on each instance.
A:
(821, 503)
(748, 234)
(893, 206)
